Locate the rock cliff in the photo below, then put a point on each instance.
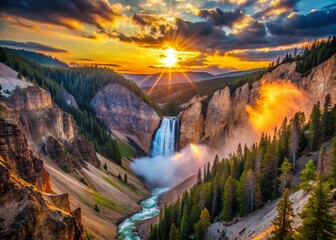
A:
(31, 98)
(27, 213)
(51, 132)
(226, 108)
(124, 113)
(15, 151)
(28, 207)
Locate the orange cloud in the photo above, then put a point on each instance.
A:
(276, 101)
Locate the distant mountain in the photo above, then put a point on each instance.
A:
(39, 57)
(237, 73)
(147, 80)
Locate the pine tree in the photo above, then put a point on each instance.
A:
(326, 118)
(286, 175)
(199, 176)
(105, 166)
(119, 176)
(96, 208)
(202, 225)
(173, 234)
(229, 199)
(283, 221)
(320, 166)
(125, 178)
(184, 229)
(318, 223)
(307, 175)
(333, 163)
(315, 127)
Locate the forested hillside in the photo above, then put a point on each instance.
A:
(252, 176)
(83, 84)
(312, 55)
(38, 57)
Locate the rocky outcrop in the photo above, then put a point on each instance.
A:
(31, 98)
(227, 108)
(26, 213)
(321, 81)
(124, 113)
(50, 131)
(192, 121)
(15, 151)
(68, 98)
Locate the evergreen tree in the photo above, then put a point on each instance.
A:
(320, 166)
(318, 223)
(202, 225)
(283, 222)
(184, 229)
(173, 234)
(105, 166)
(119, 176)
(96, 208)
(333, 163)
(326, 118)
(286, 175)
(307, 175)
(199, 176)
(125, 178)
(315, 127)
(229, 199)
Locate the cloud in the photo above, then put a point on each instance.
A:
(32, 46)
(218, 17)
(278, 8)
(68, 13)
(314, 24)
(259, 55)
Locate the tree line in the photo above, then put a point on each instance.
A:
(248, 178)
(310, 56)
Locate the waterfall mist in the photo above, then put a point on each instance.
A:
(167, 171)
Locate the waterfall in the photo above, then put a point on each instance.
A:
(166, 137)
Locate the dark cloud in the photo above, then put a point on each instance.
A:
(31, 46)
(253, 55)
(218, 17)
(314, 24)
(199, 36)
(278, 8)
(66, 13)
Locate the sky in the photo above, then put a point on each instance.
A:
(135, 36)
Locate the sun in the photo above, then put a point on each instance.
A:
(171, 59)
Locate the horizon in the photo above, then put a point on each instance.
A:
(147, 37)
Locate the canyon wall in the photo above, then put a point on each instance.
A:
(29, 208)
(226, 110)
(126, 115)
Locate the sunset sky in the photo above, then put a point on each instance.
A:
(133, 36)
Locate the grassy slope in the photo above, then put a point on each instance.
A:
(115, 199)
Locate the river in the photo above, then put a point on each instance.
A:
(149, 209)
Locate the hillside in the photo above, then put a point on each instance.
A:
(38, 57)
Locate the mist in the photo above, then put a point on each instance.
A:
(171, 170)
